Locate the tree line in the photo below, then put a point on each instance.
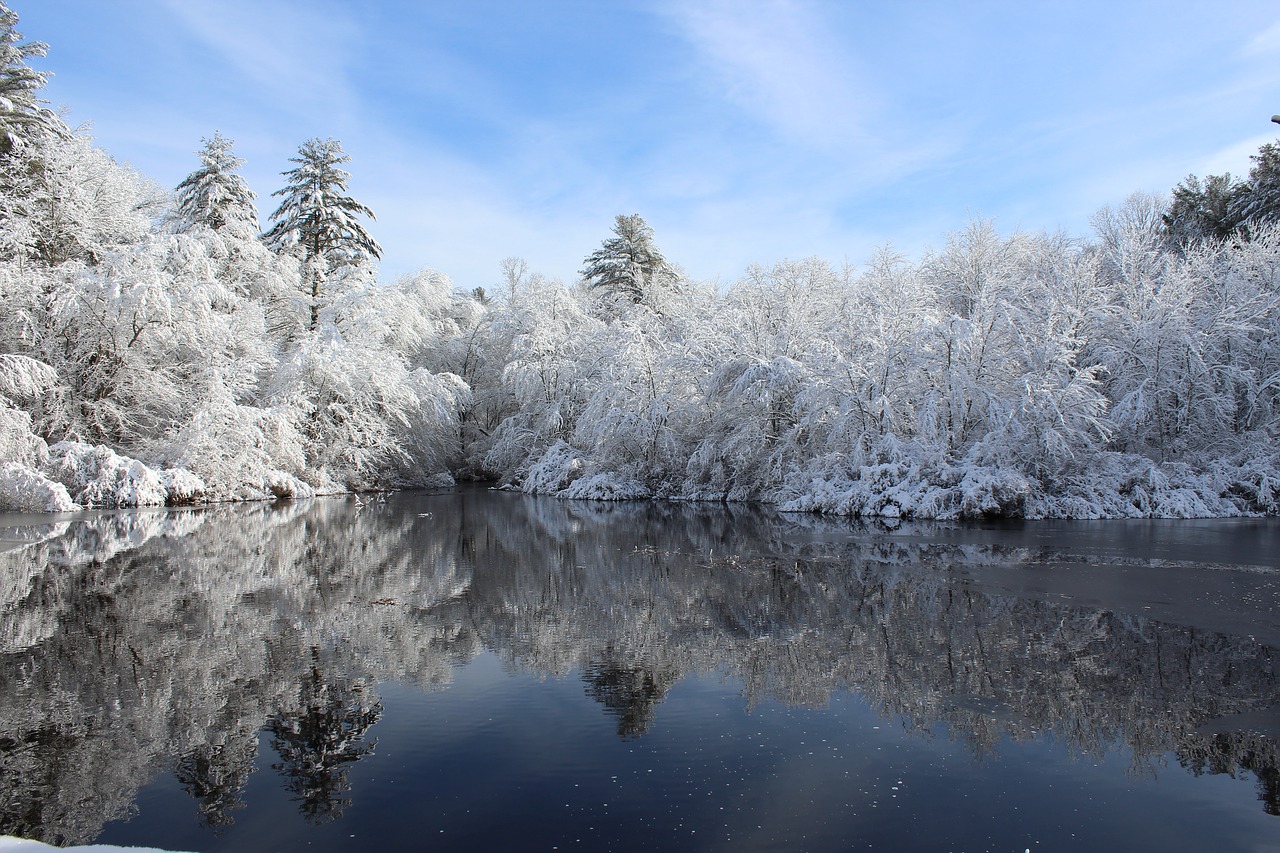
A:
(162, 347)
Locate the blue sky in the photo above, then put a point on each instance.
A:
(744, 132)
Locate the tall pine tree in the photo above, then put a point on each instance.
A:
(23, 115)
(318, 219)
(628, 266)
(214, 195)
(1259, 201)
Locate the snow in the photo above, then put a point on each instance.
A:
(25, 490)
(169, 357)
(99, 477)
(10, 844)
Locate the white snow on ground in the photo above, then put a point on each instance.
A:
(24, 490)
(98, 476)
(9, 844)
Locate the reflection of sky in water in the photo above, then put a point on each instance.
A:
(518, 673)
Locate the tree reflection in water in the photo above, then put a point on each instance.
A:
(628, 693)
(317, 742)
(215, 776)
(133, 644)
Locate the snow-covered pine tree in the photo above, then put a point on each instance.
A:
(1259, 200)
(23, 115)
(1205, 210)
(215, 195)
(628, 266)
(317, 218)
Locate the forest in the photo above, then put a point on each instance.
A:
(165, 346)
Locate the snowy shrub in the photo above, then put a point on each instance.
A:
(98, 476)
(991, 493)
(24, 490)
(1171, 490)
(238, 451)
(555, 470)
(438, 482)
(605, 487)
(1253, 483)
(182, 487)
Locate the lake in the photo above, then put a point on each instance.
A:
(485, 670)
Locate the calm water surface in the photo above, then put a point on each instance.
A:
(482, 670)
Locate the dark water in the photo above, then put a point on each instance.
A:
(483, 671)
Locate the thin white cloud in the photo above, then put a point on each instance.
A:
(1235, 158)
(775, 61)
(292, 55)
(1265, 43)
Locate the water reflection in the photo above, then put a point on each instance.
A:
(317, 741)
(133, 644)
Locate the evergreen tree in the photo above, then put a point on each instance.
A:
(22, 114)
(1259, 200)
(1203, 211)
(317, 218)
(628, 265)
(215, 195)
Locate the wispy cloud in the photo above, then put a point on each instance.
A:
(1235, 158)
(293, 55)
(775, 61)
(1265, 43)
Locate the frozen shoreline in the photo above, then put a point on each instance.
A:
(10, 844)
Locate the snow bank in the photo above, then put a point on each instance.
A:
(24, 490)
(556, 470)
(1112, 486)
(10, 844)
(606, 487)
(99, 477)
(907, 488)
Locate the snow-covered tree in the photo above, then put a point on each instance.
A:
(318, 219)
(22, 378)
(63, 199)
(353, 404)
(148, 334)
(215, 195)
(1136, 373)
(514, 273)
(1203, 210)
(628, 266)
(240, 451)
(1258, 201)
(23, 115)
(548, 352)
